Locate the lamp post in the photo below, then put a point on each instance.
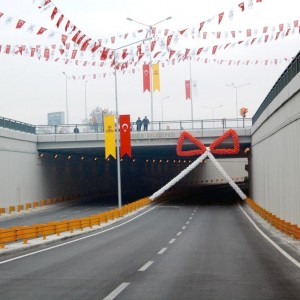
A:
(150, 31)
(162, 107)
(85, 106)
(236, 97)
(213, 111)
(67, 110)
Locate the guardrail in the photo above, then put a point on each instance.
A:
(283, 226)
(153, 126)
(16, 125)
(16, 233)
(290, 72)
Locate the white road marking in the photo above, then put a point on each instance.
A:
(63, 216)
(76, 212)
(179, 233)
(117, 291)
(187, 223)
(146, 266)
(183, 228)
(190, 218)
(79, 239)
(290, 258)
(162, 251)
(172, 241)
(192, 214)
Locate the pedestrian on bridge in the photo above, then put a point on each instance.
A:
(146, 123)
(139, 123)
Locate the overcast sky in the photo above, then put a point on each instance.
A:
(31, 88)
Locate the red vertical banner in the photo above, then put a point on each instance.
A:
(187, 90)
(146, 77)
(125, 137)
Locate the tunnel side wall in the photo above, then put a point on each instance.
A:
(275, 159)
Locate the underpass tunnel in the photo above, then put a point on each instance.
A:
(88, 174)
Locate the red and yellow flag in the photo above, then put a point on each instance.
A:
(146, 77)
(110, 136)
(125, 136)
(156, 80)
(187, 90)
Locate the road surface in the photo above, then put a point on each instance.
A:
(178, 250)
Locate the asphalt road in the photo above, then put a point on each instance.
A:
(179, 250)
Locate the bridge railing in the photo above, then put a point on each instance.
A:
(16, 125)
(154, 126)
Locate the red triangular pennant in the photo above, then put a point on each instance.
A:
(222, 138)
(185, 135)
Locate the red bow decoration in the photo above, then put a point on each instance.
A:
(213, 147)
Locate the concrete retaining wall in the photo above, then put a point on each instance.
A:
(275, 158)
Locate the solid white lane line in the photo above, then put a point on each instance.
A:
(179, 233)
(146, 266)
(187, 223)
(79, 239)
(172, 241)
(290, 258)
(183, 227)
(162, 251)
(117, 291)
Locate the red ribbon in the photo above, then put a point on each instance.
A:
(213, 147)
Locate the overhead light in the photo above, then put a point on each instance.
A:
(96, 158)
(69, 157)
(82, 157)
(147, 160)
(41, 155)
(55, 156)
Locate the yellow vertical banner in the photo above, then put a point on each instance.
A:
(110, 136)
(156, 80)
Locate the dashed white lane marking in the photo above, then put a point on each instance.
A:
(290, 258)
(190, 218)
(146, 266)
(183, 227)
(192, 214)
(162, 251)
(172, 241)
(117, 291)
(187, 223)
(63, 216)
(179, 233)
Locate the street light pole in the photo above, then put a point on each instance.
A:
(85, 106)
(236, 96)
(213, 111)
(150, 41)
(67, 110)
(162, 108)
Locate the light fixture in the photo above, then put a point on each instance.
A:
(55, 156)
(82, 158)
(41, 155)
(96, 158)
(69, 157)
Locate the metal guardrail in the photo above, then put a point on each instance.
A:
(290, 72)
(153, 126)
(16, 125)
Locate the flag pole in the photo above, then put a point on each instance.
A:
(191, 93)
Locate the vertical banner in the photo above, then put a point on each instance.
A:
(110, 136)
(195, 88)
(187, 90)
(125, 137)
(156, 80)
(146, 77)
